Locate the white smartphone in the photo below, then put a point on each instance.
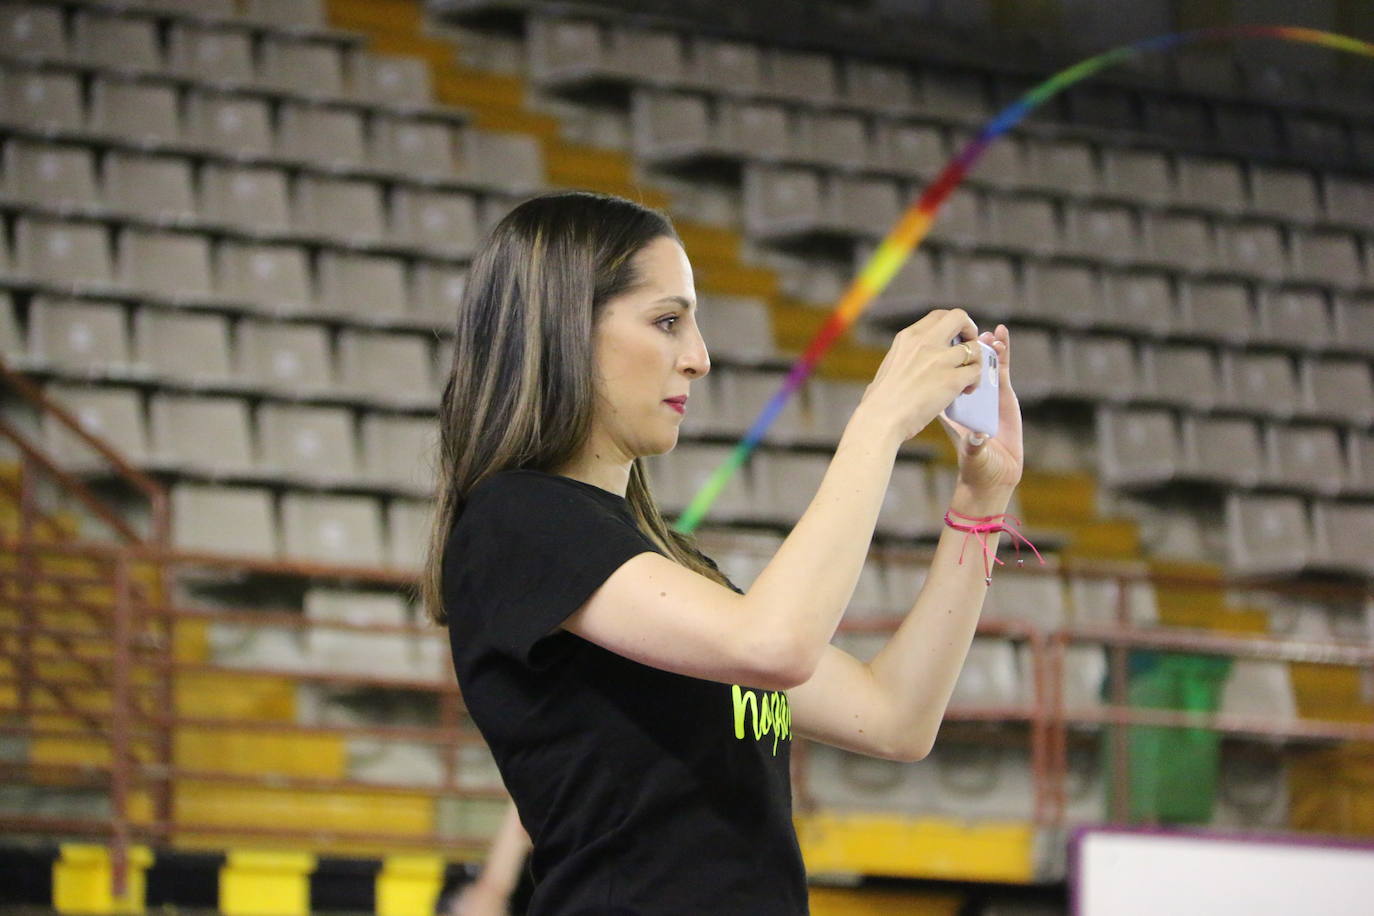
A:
(979, 409)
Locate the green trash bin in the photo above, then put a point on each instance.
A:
(1173, 771)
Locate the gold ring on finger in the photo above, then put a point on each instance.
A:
(968, 353)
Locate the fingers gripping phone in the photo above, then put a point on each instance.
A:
(979, 409)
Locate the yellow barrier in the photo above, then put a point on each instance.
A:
(82, 880)
(266, 884)
(409, 885)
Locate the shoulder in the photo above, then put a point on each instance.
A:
(533, 500)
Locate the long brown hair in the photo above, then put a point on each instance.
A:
(520, 391)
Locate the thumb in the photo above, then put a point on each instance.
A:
(974, 448)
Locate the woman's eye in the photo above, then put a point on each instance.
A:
(672, 318)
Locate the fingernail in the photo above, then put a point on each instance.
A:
(976, 439)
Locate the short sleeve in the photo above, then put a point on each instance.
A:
(527, 551)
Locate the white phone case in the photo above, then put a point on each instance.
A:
(980, 409)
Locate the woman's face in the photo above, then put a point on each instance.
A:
(648, 349)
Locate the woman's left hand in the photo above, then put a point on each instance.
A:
(993, 466)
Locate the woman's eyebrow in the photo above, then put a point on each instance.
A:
(685, 303)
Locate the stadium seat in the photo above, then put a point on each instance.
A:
(33, 30)
(365, 287)
(725, 65)
(737, 328)
(141, 113)
(346, 209)
(1066, 166)
(957, 95)
(1352, 322)
(332, 529)
(914, 150)
(267, 278)
(408, 524)
(252, 198)
(679, 474)
(300, 67)
(1025, 223)
(412, 147)
(742, 395)
(287, 358)
(1254, 249)
(986, 285)
(49, 174)
(837, 139)
(201, 434)
(436, 291)
(342, 650)
(1001, 166)
(399, 451)
(390, 368)
(1337, 388)
(1102, 367)
(1217, 310)
(1184, 375)
(225, 520)
(173, 265)
(1179, 240)
(209, 53)
(1101, 600)
(875, 86)
(1137, 446)
(1305, 457)
(1344, 531)
(1106, 231)
(1142, 301)
(1295, 319)
(440, 221)
(1223, 450)
(1065, 294)
(1329, 258)
(184, 347)
(116, 42)
(13, 347)
(63, 254)
(111, 414)
(1260, 382)
(228, 123)
(500, 161)
(909, 508)
(287, 14)
(1284, 193)
(40, 100)
(330, 137)
(803, 76)
(156, 188)
(1211, 183)
(390, 79)
(1137, 175)
(1267, 534)
(1349, 200)
(78, 336)
(313, 444)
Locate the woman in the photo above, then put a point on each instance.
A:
(639, 707)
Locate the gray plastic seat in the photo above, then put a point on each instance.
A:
(40, 100)
(725, 65)
(1256, 249)
(110, 414)
(290, 358)
(839, 139)
(135, 112)
(301, 67)
(1267, 534)
(961, 95)
(1106, 231)
(909, 506)
(393, 79)
(1068, 294)
(1103, 367)
(268, 278)
(399, 451)
(1349, 200)
(1295, 319)
(436, 291)
(917, 150)
(78, 336)
(329, 137)
(503, 162)
(789, 481)
(1306, 457)
(337, 208)
(442, 221)
(156, 188)
(1344, 532)
(391, 368)
(1223, 450)
(1068, 166)
(1261, 382)
(1338, 388)
(368, 287)
(32, 30)
(117, 42)
(739, 328)
(332, 529)
(1211, 183)
(1025, 223)
(1184, 374)
(805, 76)
(1137, 174)
(1331, 258)
(225, 520)
(679, 474)
(988, 284)
(1137, 446)
(63, 254)
(201, 434)
(206, 52)
(408, 523)
(173, 265)
(186, 347)
(1138, 300)
(742, 395)
(228, 123)
(307, 443)
(49, 174)
(1353, 322)
(246, 197)
(1286, 193)
(412, 146)
(1179, 240)
(876, 86)
(1217, 310)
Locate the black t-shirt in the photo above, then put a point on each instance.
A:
(644, 791)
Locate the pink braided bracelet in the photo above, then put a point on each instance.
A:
(980, 529)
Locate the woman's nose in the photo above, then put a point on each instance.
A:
(696, 361)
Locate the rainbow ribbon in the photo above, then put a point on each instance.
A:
(913, 225)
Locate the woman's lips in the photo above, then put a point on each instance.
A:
(678, 404)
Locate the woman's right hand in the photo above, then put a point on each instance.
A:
(921, 375)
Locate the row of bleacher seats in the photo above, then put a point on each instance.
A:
(673, 127)
(568, 50)
(228, 125)
(191, 351)
(220, 436)
(294, 16)
(1149, 303)
(252, 201)
(193, 269)
(1151, 446)
(230, 51)
(785, 203)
